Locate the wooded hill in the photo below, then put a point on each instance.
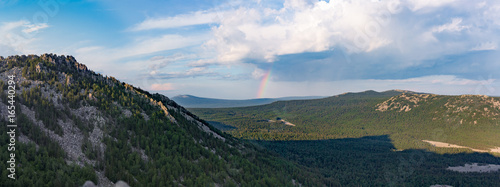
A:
(407, 117)
(76, 125)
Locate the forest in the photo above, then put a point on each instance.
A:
(348, 137)
(373, 161)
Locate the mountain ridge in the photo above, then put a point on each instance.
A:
(191, 101)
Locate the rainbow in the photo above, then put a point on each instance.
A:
(263, 84)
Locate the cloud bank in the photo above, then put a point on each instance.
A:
(312, 44)
(454, 42)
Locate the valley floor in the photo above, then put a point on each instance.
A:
(448, 145)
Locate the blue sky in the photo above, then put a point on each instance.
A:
(224, 49)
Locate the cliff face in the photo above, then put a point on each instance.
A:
(83, 122)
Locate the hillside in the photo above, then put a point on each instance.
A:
(75, 125)
(190, 101)
(407, 117)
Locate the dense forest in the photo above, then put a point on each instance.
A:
(373, 161)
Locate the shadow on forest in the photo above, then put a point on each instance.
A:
(221, 126)
(373, 160)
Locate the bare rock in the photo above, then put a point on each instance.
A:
(89, 184)
(121, 184)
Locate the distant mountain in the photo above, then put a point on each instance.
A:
(190, 101)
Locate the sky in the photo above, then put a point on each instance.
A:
(261, 49)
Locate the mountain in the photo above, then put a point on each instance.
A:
(190, 101)
(469, 121)
(75, 126)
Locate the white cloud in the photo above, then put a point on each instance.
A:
(408, 33)
(440, 79)
(254, 31)
(17, 37)
(101, 58)
(196, 18)
(416, 5)
(196, 70)
(355, 26)
(491, 15)
(486, 46)
(8, 26)
(437, 84)
(158, 62)
(454, 26)
(481, 4)
(34, 28)
(301, 26)
(189, 73)
(161, 43)
(156, 58)
(258, 73)
(88, 49)
(162, 87)
(203, 62)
